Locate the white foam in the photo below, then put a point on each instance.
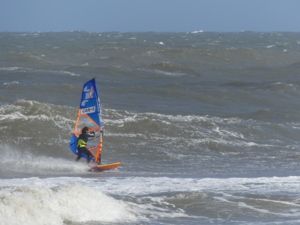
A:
(154, 185)
(270, 46)
(120, 118)
(39, 204)
(160, 43)
(23, 161)
(62, 197)
(204, 129)
(197, 31)
(35, 191)
(170, 74)
(19, 111)
(69, 73)
(85, 64)
(12, 83)
(23, 69)
(127, 135)
(12, 68)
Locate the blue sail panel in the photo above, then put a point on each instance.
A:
(90, 102)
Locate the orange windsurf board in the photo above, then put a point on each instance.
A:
(102, 167)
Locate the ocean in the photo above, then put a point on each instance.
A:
(206, 125)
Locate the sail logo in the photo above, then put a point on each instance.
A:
(89, 92)
(88, 110)
(83, 103)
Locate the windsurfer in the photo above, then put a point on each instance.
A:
(82, 144)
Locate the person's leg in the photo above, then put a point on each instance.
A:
(88, 154)
(79, 154)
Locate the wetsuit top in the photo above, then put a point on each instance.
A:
(83, 139)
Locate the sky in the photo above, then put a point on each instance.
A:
(149, 15)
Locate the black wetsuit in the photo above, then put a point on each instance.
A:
(81, 146)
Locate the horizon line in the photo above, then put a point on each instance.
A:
(151, 31)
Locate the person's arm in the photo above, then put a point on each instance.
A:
(91, 134)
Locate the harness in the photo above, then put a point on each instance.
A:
(81, 143)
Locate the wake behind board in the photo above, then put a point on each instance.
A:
(102, 167)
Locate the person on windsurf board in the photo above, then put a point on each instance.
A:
(82, 144)
(87, 137)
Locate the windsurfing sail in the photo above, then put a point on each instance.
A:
(89, 115)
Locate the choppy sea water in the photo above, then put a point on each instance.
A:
(207, 127)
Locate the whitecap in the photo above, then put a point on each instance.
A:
(270, 46)
(160, 43)
(11, 83)
(36, 202)
(12, 68)
(197, 31)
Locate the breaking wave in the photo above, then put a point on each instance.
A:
(41, 204)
